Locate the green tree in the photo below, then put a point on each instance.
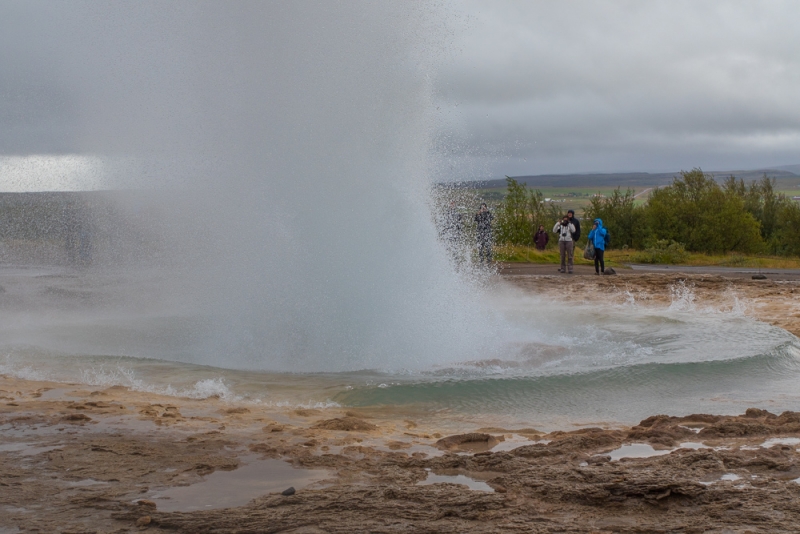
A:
(623, 219)
(520, 214)
(695, 211)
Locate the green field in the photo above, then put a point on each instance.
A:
(578, 198)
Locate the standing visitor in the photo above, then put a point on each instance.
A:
(484, 221)
(576, 235)
(565, 230)
(599, 238)
(540, 239)
(453, 225)
(452, 233)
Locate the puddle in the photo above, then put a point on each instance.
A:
(85, 482)
(14, 447)
(514, 441)
(225, 489)
(26, 449)
(731, 477)
(644, 450)
(635, 450)
(454, 476)
(54, 394)
(780, 441)
(407, 447)
(478, 446)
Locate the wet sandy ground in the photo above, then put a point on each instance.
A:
(74, 459)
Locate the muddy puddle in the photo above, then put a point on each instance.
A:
(225, 489)
(474, 481)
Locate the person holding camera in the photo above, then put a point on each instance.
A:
(566, 246)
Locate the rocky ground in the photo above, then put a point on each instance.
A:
(93, 461)
(81, 460)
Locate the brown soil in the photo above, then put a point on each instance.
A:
(77, 460)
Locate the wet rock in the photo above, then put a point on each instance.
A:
(345, 423)
(144, 521)
(306, 413)
(235, 411)
(288, 491)
(759, 277)
(265, 449)
(146, 503)
(76, 418)
(472, 438)
(735, 428)
(755, 413)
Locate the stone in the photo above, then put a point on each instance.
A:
(345, 423)
(143, 521)
(289, 491)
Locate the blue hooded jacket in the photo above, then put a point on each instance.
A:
(599, 235)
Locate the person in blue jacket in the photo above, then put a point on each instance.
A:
(599, 238)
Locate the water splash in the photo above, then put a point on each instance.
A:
(282, 154)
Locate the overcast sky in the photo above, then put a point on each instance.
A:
(525, 87)
(606, 86)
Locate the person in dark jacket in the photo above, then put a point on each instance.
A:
(576, 223)
(484, 227)
(541, 238)
(599, 238)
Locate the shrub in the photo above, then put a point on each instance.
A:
(663, 251)
(622, 218)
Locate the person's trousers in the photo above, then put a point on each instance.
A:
(599, 264)
(567, 249)
(485, 249)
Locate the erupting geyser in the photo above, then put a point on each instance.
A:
(284, 149)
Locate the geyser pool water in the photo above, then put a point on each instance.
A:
(273, 236)
(553, 363)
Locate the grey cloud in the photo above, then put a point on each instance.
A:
(527, 87)
(37, 109)
(606, 86)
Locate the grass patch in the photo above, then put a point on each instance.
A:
(523, 254)
(616, 258)
(694, 259)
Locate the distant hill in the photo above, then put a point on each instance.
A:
(791, 168)
(631, 179)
